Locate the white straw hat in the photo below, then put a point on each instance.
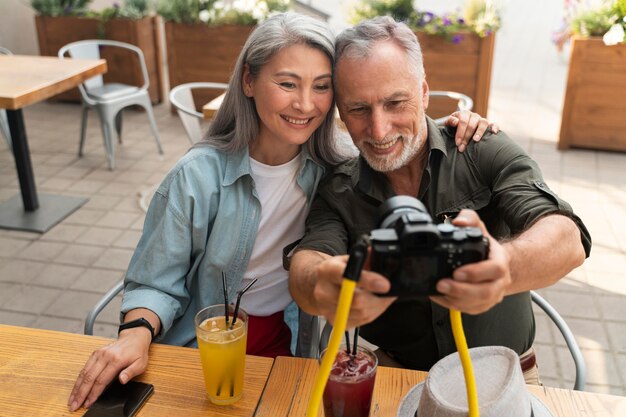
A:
(499, 382)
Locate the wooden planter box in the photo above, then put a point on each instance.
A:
(202, 53)
(55, 32)
(595, 98)
(464, 67)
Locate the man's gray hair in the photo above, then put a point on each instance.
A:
(236, 123)
(357, 42)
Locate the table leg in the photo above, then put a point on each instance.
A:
(22, 160)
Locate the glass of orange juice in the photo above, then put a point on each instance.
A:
(222, 352)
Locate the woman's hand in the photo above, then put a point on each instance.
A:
(469, 125)
(127, 356)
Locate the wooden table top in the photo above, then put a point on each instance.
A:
(38, 369)
(209, 109)
(291, 382)
(28, 79)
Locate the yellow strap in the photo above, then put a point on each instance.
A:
(466, 362)
(339, 327)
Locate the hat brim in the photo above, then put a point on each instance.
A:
(410, 403)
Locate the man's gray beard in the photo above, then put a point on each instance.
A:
(390, 163)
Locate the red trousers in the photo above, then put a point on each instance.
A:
(268, 336)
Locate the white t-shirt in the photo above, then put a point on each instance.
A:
(283, 211)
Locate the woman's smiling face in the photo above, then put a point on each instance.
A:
(292, 94)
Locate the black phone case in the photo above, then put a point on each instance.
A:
(121, 400)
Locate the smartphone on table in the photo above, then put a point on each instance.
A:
(119, 400)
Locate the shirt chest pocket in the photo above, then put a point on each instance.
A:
(476, 201)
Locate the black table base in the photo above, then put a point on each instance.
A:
(31, 212)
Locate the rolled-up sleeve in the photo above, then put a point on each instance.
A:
(156, 276)
(519, 190)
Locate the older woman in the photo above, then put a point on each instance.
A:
(232, 203)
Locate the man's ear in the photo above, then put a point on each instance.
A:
(425, 94)
(246, 81)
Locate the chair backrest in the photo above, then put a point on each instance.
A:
(181, 97)
(579, 360)
(90, 49)
(464, 102)
(5, 51)
(308, 326)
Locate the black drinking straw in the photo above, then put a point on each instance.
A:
(356, 337)
(225, 299)
(347, 342)
(239, 294)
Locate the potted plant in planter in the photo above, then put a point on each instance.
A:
(457, 46)
(204, 37)
(593, 110)
(60, 22)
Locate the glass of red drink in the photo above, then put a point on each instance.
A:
(350, 385)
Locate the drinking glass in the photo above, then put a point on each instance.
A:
(350, 385)
(222, 352)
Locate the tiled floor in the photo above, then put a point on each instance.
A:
(51, 280)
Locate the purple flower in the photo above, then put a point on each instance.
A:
(116, 5)
(460, 21)
(457, 38)
(427, 17)
(446, 21)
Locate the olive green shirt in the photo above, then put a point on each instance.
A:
(494, 177)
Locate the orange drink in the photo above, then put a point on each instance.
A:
(222, 352)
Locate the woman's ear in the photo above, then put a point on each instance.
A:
(246, 81)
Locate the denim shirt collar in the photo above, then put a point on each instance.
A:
(238, 165)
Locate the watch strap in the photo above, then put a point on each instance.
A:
(140, 322)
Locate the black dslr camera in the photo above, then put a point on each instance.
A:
(414, 253)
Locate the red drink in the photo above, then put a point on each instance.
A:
(349, 388)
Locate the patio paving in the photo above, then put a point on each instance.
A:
(50, 280)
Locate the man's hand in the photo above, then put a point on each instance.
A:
(476, 287)
(326, 276)
(469, 125)
(128, 354)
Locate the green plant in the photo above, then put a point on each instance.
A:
(477, 16)
(60, 7)
(606, 18)
(216, 12)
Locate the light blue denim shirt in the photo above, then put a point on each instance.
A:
(202, 220)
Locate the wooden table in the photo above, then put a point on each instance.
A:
(38, 369)
(291, 382)
(25, 80)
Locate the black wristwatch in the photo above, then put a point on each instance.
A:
(140, 322)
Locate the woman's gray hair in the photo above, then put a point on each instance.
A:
(357, 42)
(236, 123)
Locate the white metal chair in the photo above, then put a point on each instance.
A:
(4, 123)
(109, 99)
(579, 361)
(181, 97)
(308, 329)
(464, 102)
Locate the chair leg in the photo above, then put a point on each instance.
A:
(83, 131)
(118, 126)
(146, 104)
(4, 128)
(108, 125)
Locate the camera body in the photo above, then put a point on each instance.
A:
(414, 254)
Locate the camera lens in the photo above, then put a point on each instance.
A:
(392, 209)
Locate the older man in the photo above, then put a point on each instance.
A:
(382, 96)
